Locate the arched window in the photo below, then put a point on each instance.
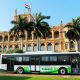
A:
(0, 49)
(50, 35)
(1, 38)
(42, 47)
(6, 38)
(10, 47)
(29, 37)
(56, 34)
(66, 45)
(24, 48)
(16, 38)
(71, 44)
(29, 48)
(16, 46)
(35, 47)
(49, 47)
(35, 37)
(23, 37)
(56, 47)
(5, 48)
(11, 38)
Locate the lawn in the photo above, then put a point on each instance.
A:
(37, 78)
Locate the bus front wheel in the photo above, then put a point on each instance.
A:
(62, 71)
(19, 70)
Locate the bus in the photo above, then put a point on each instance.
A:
(41, 62)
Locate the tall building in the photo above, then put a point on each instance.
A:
(56, 41)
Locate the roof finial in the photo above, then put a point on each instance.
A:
(61, 23)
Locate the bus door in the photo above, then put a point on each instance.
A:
(74, 62)
(75, 65)
(10, 63)
(34, 63)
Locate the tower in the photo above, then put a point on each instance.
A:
(15, 14)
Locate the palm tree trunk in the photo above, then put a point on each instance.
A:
(38, 49)
(21, 43)
(77, 46)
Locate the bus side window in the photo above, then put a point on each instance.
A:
(44, 60)
(26, 60)
(4, 60)
(53, 58)
(63, 59)
(18, 60)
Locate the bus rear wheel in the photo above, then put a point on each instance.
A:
(62, 71)
(20, 70)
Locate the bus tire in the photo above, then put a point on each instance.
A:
(19, 70)
(62, 71)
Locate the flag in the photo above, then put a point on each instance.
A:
(27, 6)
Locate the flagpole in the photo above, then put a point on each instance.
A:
(29, 10)
(28, 7)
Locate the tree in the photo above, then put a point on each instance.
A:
(40, 28)
(73, 32)
(19, 28)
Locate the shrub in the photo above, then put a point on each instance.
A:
(16, 50)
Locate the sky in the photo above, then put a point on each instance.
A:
(58, 10)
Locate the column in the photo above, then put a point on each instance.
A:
(45, 46)
(53, 46)
(52, 34)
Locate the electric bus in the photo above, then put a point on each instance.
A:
(41, 62)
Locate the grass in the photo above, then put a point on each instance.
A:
(37, 78)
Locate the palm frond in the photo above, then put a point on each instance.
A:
(19, 26)
(13, 22)
(69, 25)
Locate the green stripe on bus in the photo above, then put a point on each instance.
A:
(55, 70)
(69, 69)
(26, 69)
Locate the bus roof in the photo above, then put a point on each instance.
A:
(41, 53)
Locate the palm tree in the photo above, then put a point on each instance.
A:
(40, 28)
(19, 28)
(73, 32)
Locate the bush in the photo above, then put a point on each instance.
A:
(16, 50)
